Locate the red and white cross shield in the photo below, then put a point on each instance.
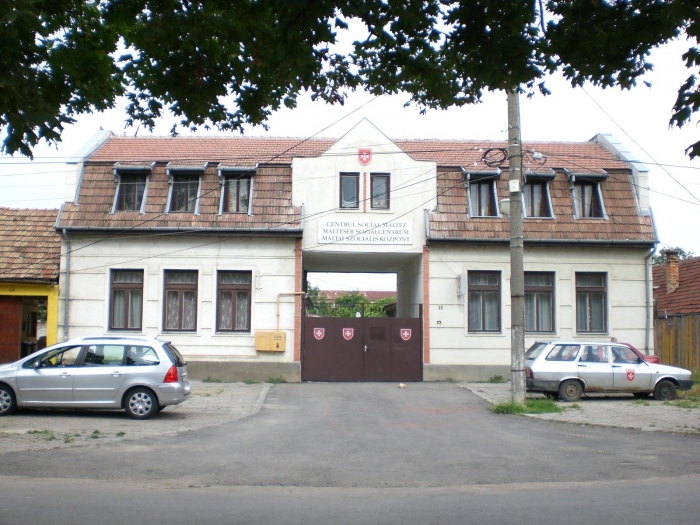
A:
(364, 155)
(630, 375)
(348, 333)
(319, 333)
(405, 334)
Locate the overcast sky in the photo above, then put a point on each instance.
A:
(638, 118)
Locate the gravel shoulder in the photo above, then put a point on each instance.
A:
(606, 410)
(210, 404)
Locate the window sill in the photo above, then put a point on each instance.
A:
(526, 217)
(485, 333)
(232, 333)
(177, 332)
(590, 218)
(124, 331)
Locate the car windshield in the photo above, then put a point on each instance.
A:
(534, 350)
(563, 353)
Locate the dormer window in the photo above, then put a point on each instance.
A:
(130, 192)
(481, 193)
(237, 194)
(185, 192)
(132, 186)
(536, 199)
(587, 200)
(586, 195)
(185, 187)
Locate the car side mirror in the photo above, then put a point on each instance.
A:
(36, 365)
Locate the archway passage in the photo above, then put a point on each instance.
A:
(359, 335)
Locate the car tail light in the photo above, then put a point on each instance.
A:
(171, 376)
(528, 372)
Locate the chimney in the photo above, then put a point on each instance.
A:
(671, 270)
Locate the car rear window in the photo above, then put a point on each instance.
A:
(563, 353)
(534, 350)
(141, 356)
(174, 355)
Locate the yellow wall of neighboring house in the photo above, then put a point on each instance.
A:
(38, 290)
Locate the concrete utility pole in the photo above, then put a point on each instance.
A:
(517, 272)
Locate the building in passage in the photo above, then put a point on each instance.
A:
(207, 242)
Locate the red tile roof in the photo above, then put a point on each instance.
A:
(272, 209)
(624, 223)
(30, 248)
(686, 298)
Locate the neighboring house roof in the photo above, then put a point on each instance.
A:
(273, 212)
(686, 298)
(30, 248)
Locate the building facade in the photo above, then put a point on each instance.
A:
(207, 242)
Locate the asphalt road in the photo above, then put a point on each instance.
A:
(363, 453)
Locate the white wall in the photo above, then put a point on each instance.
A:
(271, 261)
(316, 185)
(450, 341)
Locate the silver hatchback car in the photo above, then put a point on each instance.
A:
(567, 369)
(140, 375)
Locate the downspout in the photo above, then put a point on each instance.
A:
(67, 289)
(647, 286)
(278, 303)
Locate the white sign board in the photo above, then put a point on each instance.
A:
(363, 231)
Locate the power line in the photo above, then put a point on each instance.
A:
(640, 147)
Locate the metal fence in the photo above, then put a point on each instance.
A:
(677, 340)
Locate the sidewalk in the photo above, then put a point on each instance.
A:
(606, 410)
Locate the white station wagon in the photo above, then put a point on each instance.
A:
(567, 369)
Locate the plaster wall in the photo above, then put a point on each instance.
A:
(271, 261)
(316, 185)
(452, 343)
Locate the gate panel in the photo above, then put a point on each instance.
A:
(332, 357)
(406, 355)
(377, 337)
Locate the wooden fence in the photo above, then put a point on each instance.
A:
(677, 340)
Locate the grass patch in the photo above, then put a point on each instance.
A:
(276, 380)
(120, 434)
(46, 434)
(67, 438)
(686, 403)
(210, 380)
(575, 406)
(251, 382)
(531, 406)
(641, 401)
(450, 380)
(96, 434)
(496, 379)
(4, 434)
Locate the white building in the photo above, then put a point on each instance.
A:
(207, 242)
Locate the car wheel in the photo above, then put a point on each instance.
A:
(570, 390)
(141, 403)
(665, 391)
(7, 401)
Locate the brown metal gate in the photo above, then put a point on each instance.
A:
(362, 349)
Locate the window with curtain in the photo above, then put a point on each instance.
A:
(587, 200)
(126, 299)
(237, 197)
(233, 301)
(349, 190)
(180, 311)
(536, 200)
(539, 302)
(130, 192)
(482, 199)
(591, 302)
(484, 301)
(380, 191)
(185, 189)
